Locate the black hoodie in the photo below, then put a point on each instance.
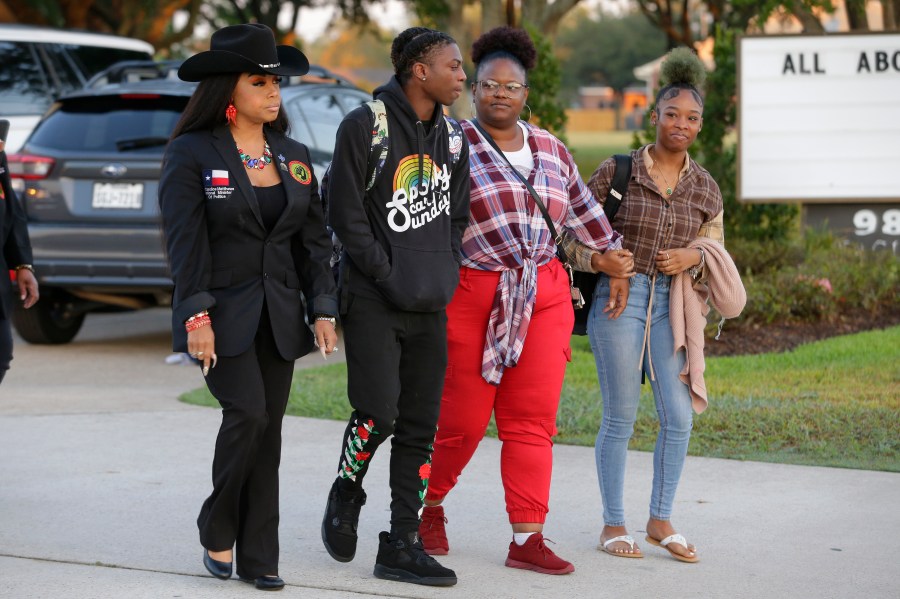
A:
(402, 238)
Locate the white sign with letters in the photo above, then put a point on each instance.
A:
(819, 118)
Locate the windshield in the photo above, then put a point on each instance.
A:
(110, 124)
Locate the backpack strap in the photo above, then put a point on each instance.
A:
(619, 186)
(378, 151)
(454, 130)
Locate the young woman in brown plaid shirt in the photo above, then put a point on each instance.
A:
(670, 201)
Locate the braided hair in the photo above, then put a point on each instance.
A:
(416, 44)
(681, 70)
(504, 42)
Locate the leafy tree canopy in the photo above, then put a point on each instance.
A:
(605, 51)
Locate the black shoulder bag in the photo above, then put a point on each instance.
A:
(577, 298)
(587, 281)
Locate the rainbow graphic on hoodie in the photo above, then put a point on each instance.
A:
(416, 200)
(407, 175)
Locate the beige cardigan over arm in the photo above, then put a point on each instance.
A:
(689, 305)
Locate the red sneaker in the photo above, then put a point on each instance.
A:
(432, 531)
(536, 556)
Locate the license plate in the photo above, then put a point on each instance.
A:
(118, 196)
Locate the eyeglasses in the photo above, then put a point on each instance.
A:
(489, 86)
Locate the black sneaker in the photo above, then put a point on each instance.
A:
(405, 560)
(340, 522)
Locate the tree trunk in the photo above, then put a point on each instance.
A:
(151, 24)
(75, 13)
(807, 19)
(890, 13)
(662, 14)
(23, 11)
(496, 13)
(856, 15)
(165, 41)
(546, 17)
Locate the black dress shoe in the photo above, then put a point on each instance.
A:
(216, 568)
(266, 583)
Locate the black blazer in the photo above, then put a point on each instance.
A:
(15, 249)
(221, 256)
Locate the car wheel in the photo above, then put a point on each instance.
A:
(52, 321)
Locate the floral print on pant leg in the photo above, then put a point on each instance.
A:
(424, 475)
(354, 456)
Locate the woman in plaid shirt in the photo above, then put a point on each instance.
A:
(510, 321)
(671, 200)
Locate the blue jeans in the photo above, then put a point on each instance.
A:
(617, 349)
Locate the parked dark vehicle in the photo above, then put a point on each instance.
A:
(88, 177)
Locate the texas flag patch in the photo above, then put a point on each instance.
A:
(215, 178)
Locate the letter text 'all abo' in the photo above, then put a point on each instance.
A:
(880, 62)
(801, 65)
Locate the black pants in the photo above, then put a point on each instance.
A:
(395, 375)
(242, 510)
(6, 345)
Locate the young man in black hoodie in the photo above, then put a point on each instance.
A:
(399, 269)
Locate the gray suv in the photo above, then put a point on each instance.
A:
(88, 178)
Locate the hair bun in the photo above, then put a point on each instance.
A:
(682, 67)
(509, 40)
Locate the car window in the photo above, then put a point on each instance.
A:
(63, 74)
(110, 124)
(23, 88)
(91, 60)
(351, 99)
(299, 128)
(319, 113)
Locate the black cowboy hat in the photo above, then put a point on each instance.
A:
(248, 48)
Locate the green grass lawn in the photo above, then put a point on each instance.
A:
(590, 149)
(831, 403)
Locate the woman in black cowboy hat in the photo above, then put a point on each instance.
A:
(245, 236)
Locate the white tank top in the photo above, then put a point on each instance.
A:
(522, 160)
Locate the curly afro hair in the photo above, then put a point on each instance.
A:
(505, 42)
(413, 45)
(682, 69)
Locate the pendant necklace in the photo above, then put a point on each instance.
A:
(661, 174)
(257, 163)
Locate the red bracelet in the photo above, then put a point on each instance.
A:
(198, 315)
(197, 321)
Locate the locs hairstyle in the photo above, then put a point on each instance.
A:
(416, 44)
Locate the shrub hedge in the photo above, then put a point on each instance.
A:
(814, 278)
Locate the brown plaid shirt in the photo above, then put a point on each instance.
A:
(648, 221)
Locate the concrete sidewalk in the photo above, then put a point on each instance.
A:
(102, 472)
